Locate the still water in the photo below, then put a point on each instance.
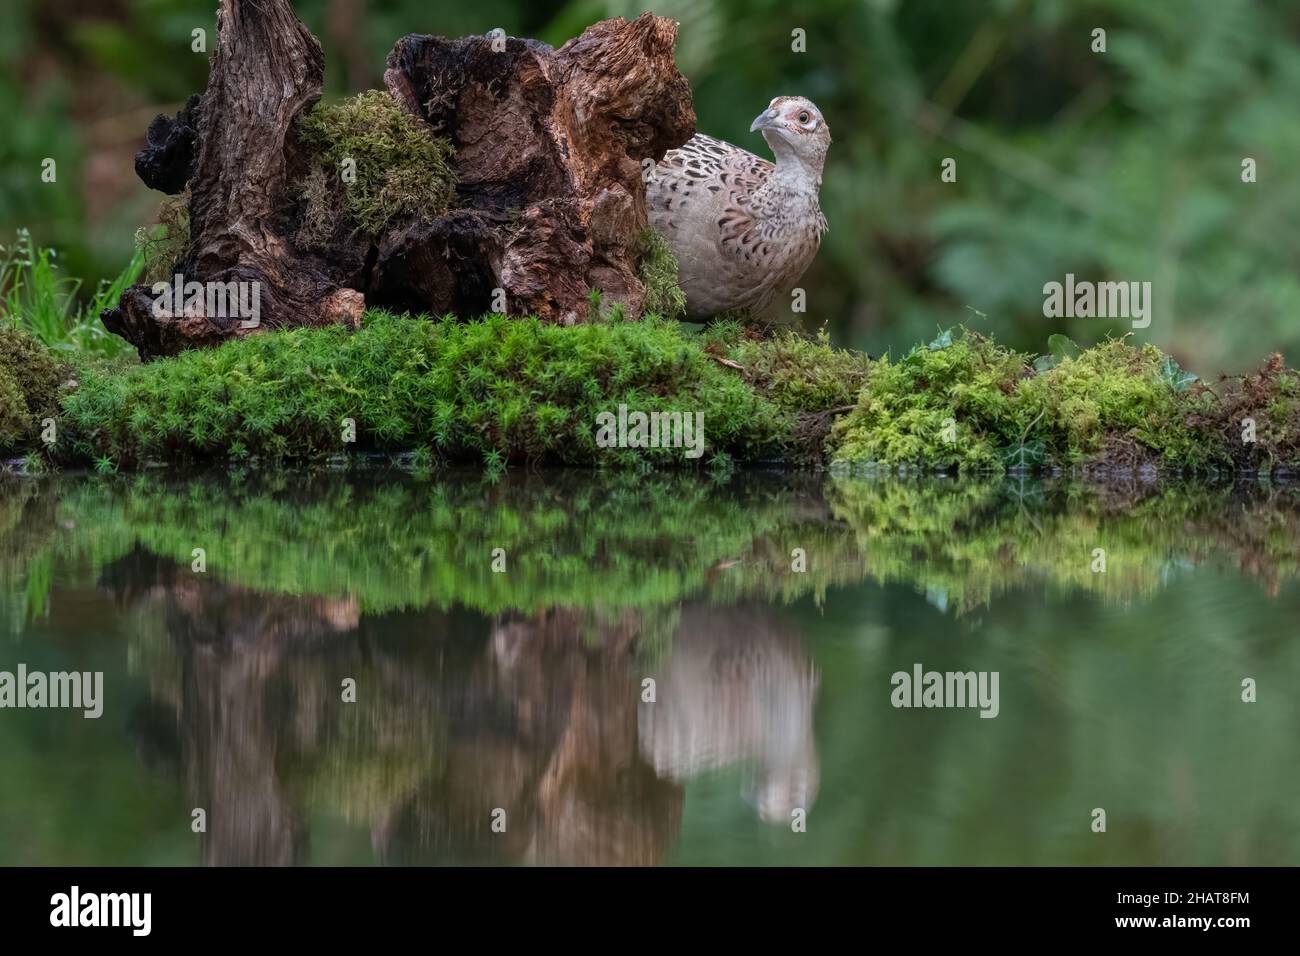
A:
(500, 640)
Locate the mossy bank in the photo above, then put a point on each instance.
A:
(504, 391)
(30, 379)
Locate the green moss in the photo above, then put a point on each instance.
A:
(657, 270)
(165, 243)
(947, 405)
(500, 390)
(630, 541)
(597, 543)
(375, 753)
(967, 404)
(30, 378)
(1008, 542)
(799, 372)
(495, 389)
(1114, 389)
(402, 170)
(1282, 412)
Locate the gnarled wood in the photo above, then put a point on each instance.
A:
(267, 71)
(550, 151)
(550, 146)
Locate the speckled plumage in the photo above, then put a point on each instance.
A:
(744, 229)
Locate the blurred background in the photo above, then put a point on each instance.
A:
(1124, 165)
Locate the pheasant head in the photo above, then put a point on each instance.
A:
(797, 133)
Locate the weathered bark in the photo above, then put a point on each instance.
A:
(266, 72)
(550, 146)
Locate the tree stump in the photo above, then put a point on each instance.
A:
(550, 150)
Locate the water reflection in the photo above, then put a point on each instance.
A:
(537, 715)
(651, 641)
(738, 688)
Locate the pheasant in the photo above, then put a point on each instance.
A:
(744, 229)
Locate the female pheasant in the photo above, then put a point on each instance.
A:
(743, 229)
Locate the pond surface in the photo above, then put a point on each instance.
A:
(498, 640)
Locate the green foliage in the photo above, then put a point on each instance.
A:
(941, 341)
(30, 378)
(592, 541)
(964, 402)
(907, 529)
(594, 299)
(1123, 166)
(1059, 348)
(40, 124)
(500, 391)
(798, 371)
(1115, 388)
(945, 405)
(1200, 584)
(1024, 456)
(403, 171)
(1175, 376)
(497, 390)
(163, 244)
(657, 270)
(608, 541)
(36, 297)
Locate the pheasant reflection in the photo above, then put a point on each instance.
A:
(738, 688)
(457, 717)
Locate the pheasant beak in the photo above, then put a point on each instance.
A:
(764, 120)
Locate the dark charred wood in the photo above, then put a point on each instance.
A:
(440, 268)
(167, 160)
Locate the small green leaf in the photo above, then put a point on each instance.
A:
(1024, 456)
(1062, 347)
(943, 341)
(1173, 375)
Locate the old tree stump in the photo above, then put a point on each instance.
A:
(549, 152)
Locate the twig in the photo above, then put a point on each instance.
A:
(1025, 434)
(828, 412)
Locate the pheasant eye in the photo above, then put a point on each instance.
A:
(803, 117)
